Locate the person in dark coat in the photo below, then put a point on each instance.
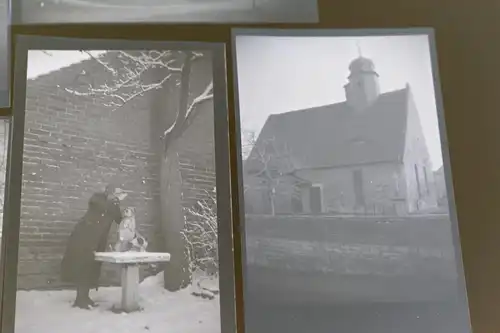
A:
(90, 235)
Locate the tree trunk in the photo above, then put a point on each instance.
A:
(271, 199)
(176, 275)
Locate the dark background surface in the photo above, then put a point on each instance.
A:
(468, 51)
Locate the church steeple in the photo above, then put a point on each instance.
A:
(363, 86)
(360, 55)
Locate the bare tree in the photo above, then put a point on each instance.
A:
(269, 162)
(200, 234)
(248, 140)
(132, 75)
(129, 80)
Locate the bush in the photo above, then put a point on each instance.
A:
(201, 236)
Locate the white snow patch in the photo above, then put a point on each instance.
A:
(204, 286)
(164, 311)
(132, 257)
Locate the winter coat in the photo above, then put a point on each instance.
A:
(89, 235)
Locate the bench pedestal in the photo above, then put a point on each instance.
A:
(130, 287)
(129, 264)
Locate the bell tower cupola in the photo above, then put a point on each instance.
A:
(362, 88)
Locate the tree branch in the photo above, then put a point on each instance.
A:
(127, 82)
(173, 131)
(186, 114)
(127, 74)
(200, 234)
(191, 113)
(273, 163)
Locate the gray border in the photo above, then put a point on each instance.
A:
(10, 242)
(8, 153)
(5, 92)
(236, 32)
(447, 169)
(14, 10)
(274, 14)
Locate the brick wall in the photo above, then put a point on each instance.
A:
(196, 146)
(73, 147)
(197, 161)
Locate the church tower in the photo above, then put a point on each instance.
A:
(363, 86)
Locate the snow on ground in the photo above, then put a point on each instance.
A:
(164, 311)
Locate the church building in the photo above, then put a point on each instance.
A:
(365, 155)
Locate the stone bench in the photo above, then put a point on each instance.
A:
(129, 263)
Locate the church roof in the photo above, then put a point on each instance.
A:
(335, 135)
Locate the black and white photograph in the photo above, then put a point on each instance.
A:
(4, 144)
(4, 54)
(165, 11)
(119, 220)
(349, 217)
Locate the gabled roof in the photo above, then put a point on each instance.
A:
(335, 135)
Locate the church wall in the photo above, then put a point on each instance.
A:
(417, 154)
(381, 184)
(384, 190)
(257, 200)
(441, 191)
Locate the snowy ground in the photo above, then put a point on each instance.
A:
(164, 311)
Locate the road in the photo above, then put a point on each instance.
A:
(219, 12)
(353, 318)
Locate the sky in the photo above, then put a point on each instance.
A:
(43, 62)
(289, 80)
(281, 74)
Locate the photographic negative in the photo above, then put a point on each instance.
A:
(4, 54)
(349, 215)
(119, 224)
(4, 148)
(4, 144)
(165, 11)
